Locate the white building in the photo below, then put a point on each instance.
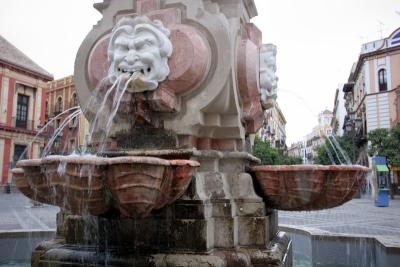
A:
(318, 136)
(339, 112)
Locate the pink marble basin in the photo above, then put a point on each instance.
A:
(308, 187)
(135, 186)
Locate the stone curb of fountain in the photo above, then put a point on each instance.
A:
(389, 242)
(26, 233)
(17, 245)
(320, 247)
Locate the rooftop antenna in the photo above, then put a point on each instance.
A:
(381, 25)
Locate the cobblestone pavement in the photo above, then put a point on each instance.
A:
(357, 217)
(17, 213)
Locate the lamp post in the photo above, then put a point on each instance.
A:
(350, 129)
(352, 125)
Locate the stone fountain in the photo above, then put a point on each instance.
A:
(173, 181)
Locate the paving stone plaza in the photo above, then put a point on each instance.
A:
(357, 217)
(20, 218)
(18, 213)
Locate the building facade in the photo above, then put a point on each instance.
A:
(372, 93)
(318, 136)
(23, 92)
(297, 150)
(274, 128)
(61, 103)
(339, 112)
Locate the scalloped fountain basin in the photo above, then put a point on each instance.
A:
(308, 187)
(134, 185)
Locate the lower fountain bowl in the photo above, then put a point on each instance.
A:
(134, 185)
(308, 187)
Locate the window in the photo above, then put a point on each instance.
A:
(71, 145)
(47, 109)
(382, 78)
(57, 123)
(74, 101)
(73, 123)
(59, 105)
(21, 120)
(19, 153)
(57, 145)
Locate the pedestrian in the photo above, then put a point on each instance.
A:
(394, 185)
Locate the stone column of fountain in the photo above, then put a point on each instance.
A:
(191, 74)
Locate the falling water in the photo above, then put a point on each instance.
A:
(329, 153)
(116, 104)
(50, 122)
(61, 168)
(83, 108)
(334, 150)
(96, 92)
(370, 188)
(100, 110)
(304, 102)
(59, 130)
(341, 150)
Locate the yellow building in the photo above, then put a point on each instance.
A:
(318, 136)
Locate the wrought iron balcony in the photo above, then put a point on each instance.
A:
(23, 124)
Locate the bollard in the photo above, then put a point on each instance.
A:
(8, 188)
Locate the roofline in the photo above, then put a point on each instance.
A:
(280, 113)
(390, 35)
(251, 8)
(367, 55)
(35, 73)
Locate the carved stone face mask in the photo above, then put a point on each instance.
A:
(139, 48)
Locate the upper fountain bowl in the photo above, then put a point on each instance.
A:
(134, 185)
(308, 187)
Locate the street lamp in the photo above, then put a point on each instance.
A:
(352, 125)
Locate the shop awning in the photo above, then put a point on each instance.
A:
(382, 168)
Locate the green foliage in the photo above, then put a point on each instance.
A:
(323, 158)
(330, 153)
(385, 142)
(271, 156)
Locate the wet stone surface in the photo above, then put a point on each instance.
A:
(357, 217)
(17, 212)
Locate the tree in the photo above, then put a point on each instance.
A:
(385, 142)
(341, 150)
(271, 156)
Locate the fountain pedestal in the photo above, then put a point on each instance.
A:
(219, 221)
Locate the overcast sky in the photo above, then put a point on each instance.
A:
(318, 41)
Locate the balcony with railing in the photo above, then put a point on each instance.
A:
(57, 112)
(73, 102)
(23, 124)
